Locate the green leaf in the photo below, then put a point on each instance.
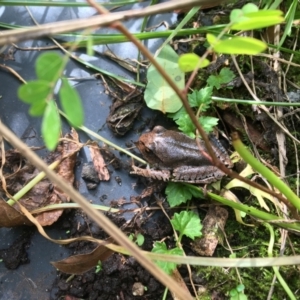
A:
(178, 193)
(201, 98)
(249, 8)
(240, 45)
(49, 66)
(238, 15)
(37, 108)
(258, 22)
(249, 18)
(190, 61)
(51, 125)
(208, 123)
(187, 223)
(71, 103)
(158, 94)
(177, 114)
(140, 239)
(160, 247)
(240, 288)
(186, 125)
(225, 76)
(34, 91)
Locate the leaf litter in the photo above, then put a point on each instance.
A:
(18, 172)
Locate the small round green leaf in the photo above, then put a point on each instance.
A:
(158, 94)
(240, 288)
(190, 61)
(240, 45)
(71, 103)
(51, 125)
(34, 91)
(49, 66)
(237, 15)
(249, 8)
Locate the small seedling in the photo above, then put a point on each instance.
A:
(238, 293)
(139, 239)
(98, 267)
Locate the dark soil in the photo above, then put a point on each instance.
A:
(119, 273)
(16, 254)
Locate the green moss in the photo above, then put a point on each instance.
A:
(250, 242)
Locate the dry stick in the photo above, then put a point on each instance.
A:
(98, 217)
(16, 35)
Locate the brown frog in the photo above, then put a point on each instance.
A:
(176, 157)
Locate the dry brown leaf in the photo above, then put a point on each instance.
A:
(18, 172)
(99, 163)
(10, 217)
(78, 264)
(256, 135)
(67, 149)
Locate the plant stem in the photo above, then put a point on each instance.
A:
(275, 268)
(264, 171)
(31, 184)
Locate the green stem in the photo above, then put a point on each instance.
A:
(264, 171)
(74, 205)
(105, 141)
(250, 102)
(276, 269)
(252, 211)
(31, 184)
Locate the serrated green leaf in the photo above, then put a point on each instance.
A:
(71, 103)
(201, 98)
(225, 76)
(49, 66)
(158, 94)
(37, 109)
(187, 223)
(51, 126)
(177, 114)
(194, 190)
(34, 91)
(190, 61)
(186, 125)
(208, 123)
(160, 247)
(240, 45)
(177, 193)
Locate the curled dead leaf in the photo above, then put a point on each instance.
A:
(78, 264)
(10, 217)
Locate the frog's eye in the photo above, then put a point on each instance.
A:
(159, 129)
(147, 150)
